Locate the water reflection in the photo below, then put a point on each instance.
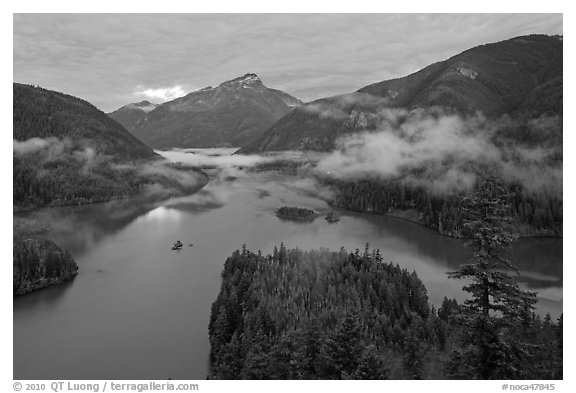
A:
(79, 228)
(139, 310)
(162, 215)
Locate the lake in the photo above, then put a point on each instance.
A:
(138, 310)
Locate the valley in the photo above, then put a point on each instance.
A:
(234, 113)
(411, 229)
(123, 252)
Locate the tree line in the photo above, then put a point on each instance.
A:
(533, 213)
(319, 314)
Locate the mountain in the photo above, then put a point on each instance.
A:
(43, 114)
(67, 152)
(235, 113)
(521, 77)
(129, 115)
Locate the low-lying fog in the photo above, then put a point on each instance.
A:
(136, 301)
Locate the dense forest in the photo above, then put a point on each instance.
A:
(533, 213)
(43, 179)
(336, 315)
(56, 182)
(319, 314)
(41, 113)
(38, 263)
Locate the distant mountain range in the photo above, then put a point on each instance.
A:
(521, 77)
(129, 115)
(235, 113)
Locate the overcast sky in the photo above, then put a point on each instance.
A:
(111, 60)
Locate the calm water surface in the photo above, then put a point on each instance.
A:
(138, 310)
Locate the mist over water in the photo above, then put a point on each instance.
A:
(139, 310)
(225, 158)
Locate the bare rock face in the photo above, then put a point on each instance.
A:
(39, 263)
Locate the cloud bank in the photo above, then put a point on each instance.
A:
(224, 158)
(161, 94)
(157, 178)
(31, 145)
(444, 153)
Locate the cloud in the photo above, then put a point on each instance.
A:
(339, 107)
(224, 158)
(162, 94)
(52, 148)
(45, 150)
(159, 178)
(443, 153)
(101, 58)
(420, 139)
(32, 145)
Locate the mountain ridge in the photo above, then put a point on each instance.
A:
(234, 113)
(520, 76)
(67, 152)
(43, 113)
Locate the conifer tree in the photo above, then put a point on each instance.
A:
(496, 304)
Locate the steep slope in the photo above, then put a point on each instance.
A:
(521, 76)
(129, 115)
(494, 78)
(233, 114)
(41, 113)
(66, 152)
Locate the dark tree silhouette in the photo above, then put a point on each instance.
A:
(496, 304)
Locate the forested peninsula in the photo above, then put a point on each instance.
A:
(320, 314)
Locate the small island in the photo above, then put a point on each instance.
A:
(331, 217)
(296, 213)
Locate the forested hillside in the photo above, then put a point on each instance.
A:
(534, 214)
(68, 152)
(520, 77)
(336, 315)
(41, 113)
(414, 146)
